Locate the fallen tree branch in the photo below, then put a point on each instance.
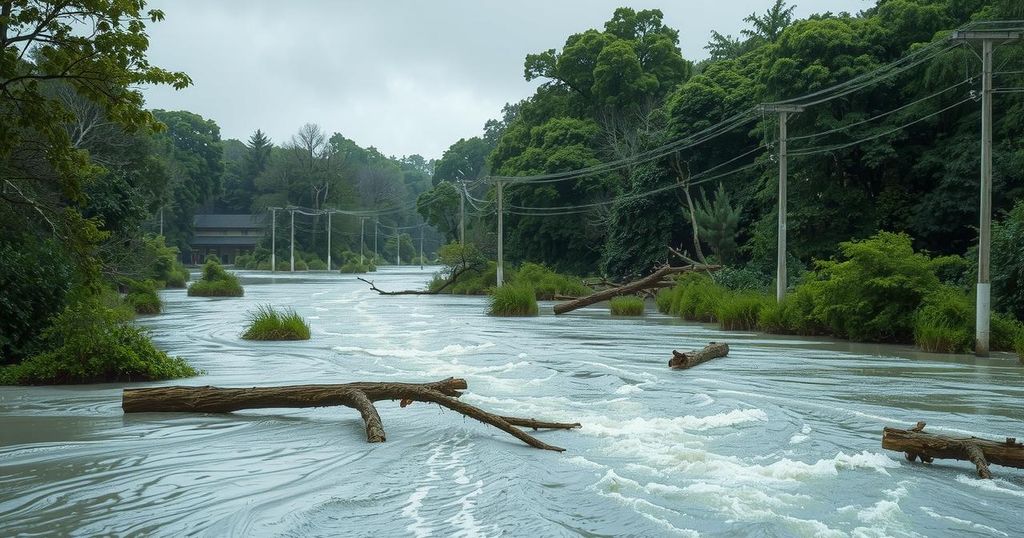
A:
(403, 292)
(653, 280)
(682, 361)
(359, 396)
(918, 445)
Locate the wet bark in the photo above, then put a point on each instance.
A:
(359, 396)
(654, 280)
(927, 447)
(682, 361)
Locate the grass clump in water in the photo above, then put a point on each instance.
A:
(514, 299)
(741, 311)
(663, 300)
(626, 305)
(266, 323)
(215, 282)
(944, 323)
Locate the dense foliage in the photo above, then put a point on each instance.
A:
(215, 282)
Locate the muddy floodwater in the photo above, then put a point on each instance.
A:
(782, 438)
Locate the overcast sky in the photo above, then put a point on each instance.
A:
(404, 76)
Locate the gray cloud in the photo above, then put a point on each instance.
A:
(401, 75)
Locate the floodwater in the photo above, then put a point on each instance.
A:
(782, 438)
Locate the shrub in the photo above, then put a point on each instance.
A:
(627, 305)
(212, 258)
(795, 315)
(265, 323)
(300, 265)
(740, 311)
(1018, 346)
(700, 299)
(945, 322)
(514, 300)
(91, 342)
(242, 260)
(743, 279)
(178, 277)
(34, 283)
(264, 266)
(353, 267)
(215, 282)
(284, 266)
(317, 265)
(874, 293)
(548, 283)
(1008, 262)
(1005, 331)
(142, 297)
(663, 300)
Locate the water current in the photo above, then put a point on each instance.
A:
(782, 438)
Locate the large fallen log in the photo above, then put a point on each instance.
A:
(916, 444)
(682, 361)
(652, 280)
(359, 396)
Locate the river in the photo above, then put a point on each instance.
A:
(782, 438)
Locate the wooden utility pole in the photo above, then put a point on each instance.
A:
(501, 233)
(983, 299)
(780, 269)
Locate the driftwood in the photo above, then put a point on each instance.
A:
(359, 396)
(653, 280)
(403, 292)
(682, 361)
(916, 444)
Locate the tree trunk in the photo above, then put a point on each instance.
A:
(682, 361)
(916, 444)
(650, 281)
(359, 396)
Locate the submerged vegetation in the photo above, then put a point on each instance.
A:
(627, 305)
(142, 296)
(514, 299)
(266, 323)
(465, 271)
(215, 282)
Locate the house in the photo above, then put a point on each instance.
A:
(227, 236)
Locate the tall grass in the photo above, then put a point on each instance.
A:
(627, 305)
(514, 299)
(663, 300)
(1018, 346)
(740, 311)
(266, 323)
(215, 282)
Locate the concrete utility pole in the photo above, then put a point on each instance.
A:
(362, 228)
(983, 300)
(421, 246)
(501, 233)
(328, 240)
(376, 228)
(293, 241)
(462, 213)
(780, 268)
(273, 239)
(161, 221)
(398, 248)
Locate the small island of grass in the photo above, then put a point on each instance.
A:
(266, 323)
(627, 305)
(215, 282)
(514, 299)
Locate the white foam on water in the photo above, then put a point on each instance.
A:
(408, 353)
(992, 485)
(628, 389)
(611, 485)
(798, 438)
(963, 522)
(662, 427)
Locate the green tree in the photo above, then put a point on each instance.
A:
(718, 223)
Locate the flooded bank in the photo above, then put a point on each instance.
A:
(781, 438)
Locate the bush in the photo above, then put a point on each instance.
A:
(264, 266)
(874, 293)
(945, 322)
(1005, 331)
(35, 279)
(548, 283)
(1018, 346)
(663, 300)
(1008, 262)
(353, 267)
(740, 311)
(142, 296)
(212, 258)
(284, 266)
(514, 300)
(265, 323)
(700, 299)
(215, 282)
(795, 315)
(317, 265)
(627, 305)
(300, 265)
(743, 279)
(242, 260)
(178, 277)
(91, 342)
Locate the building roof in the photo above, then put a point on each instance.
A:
(221, 222)
(225, 241)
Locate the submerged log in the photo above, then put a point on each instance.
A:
(682, 361)
(916, 444)
(654, 280)
(359, 396)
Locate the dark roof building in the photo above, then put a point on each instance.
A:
(227, 236)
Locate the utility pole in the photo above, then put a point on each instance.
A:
(421, 246)
(293, 241)
(501, 233)
(362, 228)
(780, 268)
(398, 248)
(329, 240)
(273, 239)
(161, 221)
(376, 228)
(983, 299)
(462, 213)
